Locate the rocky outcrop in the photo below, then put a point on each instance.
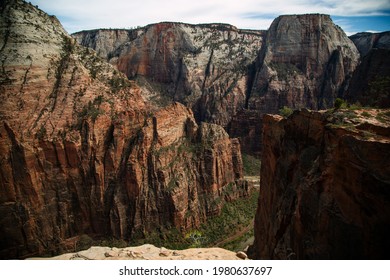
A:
(305, 62)
(82, 152)
(366, 41)
(324, 186)
(149, 252)
(202, 66)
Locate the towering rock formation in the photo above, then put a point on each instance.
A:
(305, 62)
(202, 66)
(82, 152)
(325, 186)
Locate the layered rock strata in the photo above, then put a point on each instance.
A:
(305, 62)
(325, 186)
(302, 61)
(202, 66)
(82, 152)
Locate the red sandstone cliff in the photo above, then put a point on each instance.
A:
(325, 191)
(82, 152)
(203, 66)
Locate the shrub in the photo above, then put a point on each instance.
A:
(251, 165)
(285, 111)
(84, 242)
(340, 104)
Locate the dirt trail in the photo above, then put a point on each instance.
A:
(234, 236)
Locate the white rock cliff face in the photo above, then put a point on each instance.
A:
(306, 62)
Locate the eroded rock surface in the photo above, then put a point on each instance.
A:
(203, 66)
(325, 191)
(83, 152)
(305, 62)
(149, 252)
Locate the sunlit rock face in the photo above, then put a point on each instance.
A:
(83, 151)
(305, 62)
(203, 66)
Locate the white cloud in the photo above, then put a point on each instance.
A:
(255, 14)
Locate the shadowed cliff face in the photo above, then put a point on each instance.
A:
(82, 152)
(370, 83)
(202, 66)
(366, 41)
(325, 190)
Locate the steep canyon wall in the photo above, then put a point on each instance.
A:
(83, 152)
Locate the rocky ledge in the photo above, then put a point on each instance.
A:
(150, 252)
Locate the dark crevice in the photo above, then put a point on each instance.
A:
(207, 70)
(25, 75)
(285, 223)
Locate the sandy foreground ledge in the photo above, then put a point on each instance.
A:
(149, 252)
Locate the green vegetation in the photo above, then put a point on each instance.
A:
(84, 243)
(67, 50)
(285, 111)
(168, 237)
(379, 90)
(118, 82)
(340, 104)
(90, 111)
(196, 238)
(251, 165)
(285, 70)
(355, 106)
(235, 216)
(383, 117)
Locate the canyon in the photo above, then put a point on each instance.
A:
(227, 75)
(82, 151)
(117, 133)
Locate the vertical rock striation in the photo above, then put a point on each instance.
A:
(305, 62)
(203, 66)
(81, 151)
(324, 186)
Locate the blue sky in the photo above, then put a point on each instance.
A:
(351, 15)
